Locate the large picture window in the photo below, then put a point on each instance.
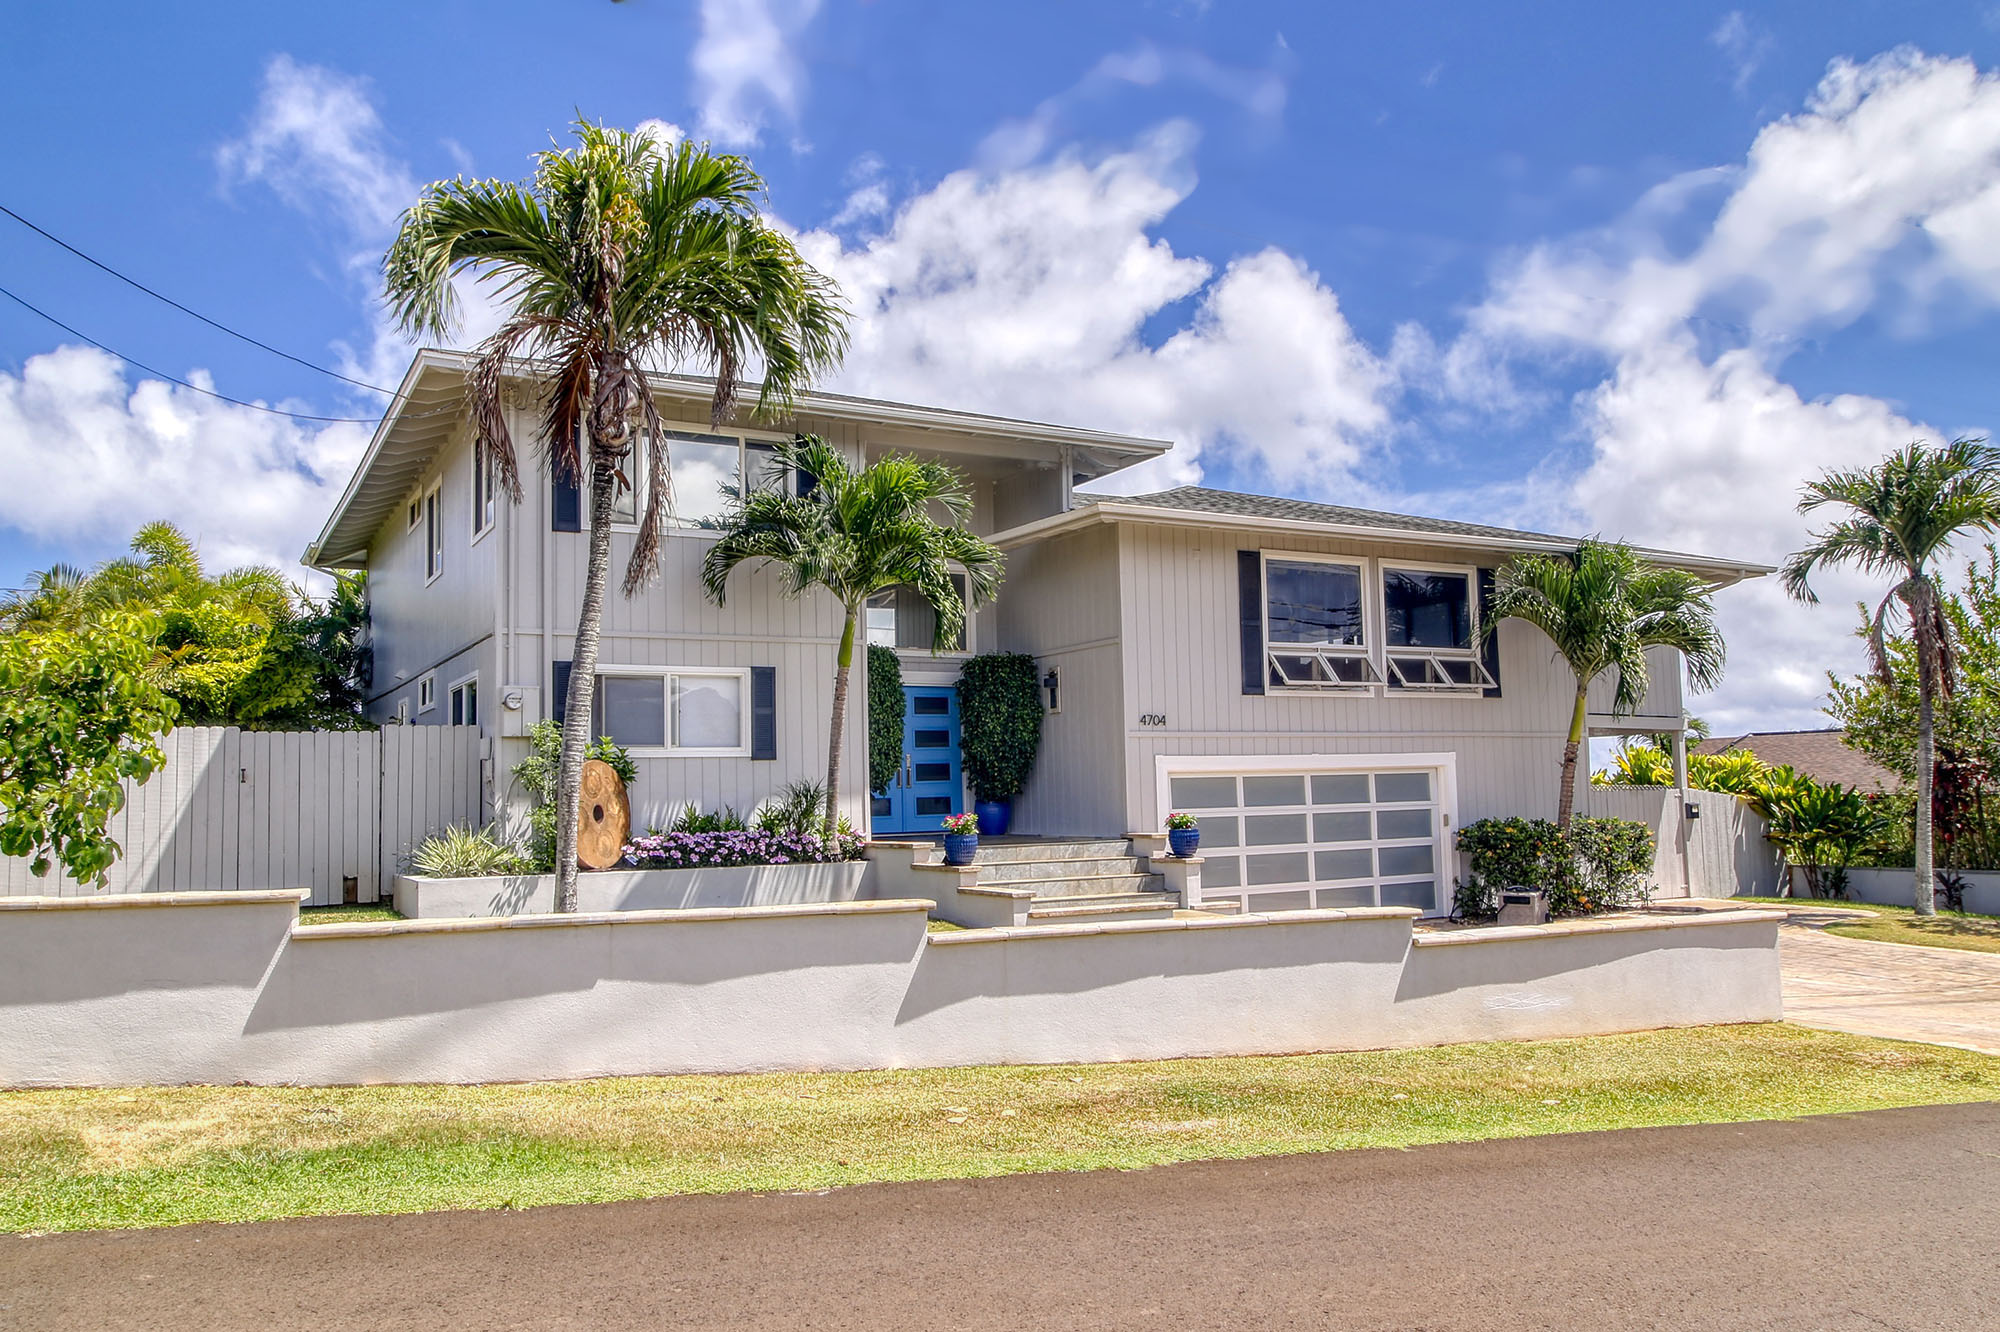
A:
(1315, 624)
(1356, 624)
(693, 713)
(1427, 610)
(705, 472)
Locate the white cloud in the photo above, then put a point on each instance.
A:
(86, 457)
(1743, 44)
(746, 68)
(1025, 292)
(1877, 197)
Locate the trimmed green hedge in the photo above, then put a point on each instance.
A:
(1598, 865)
(1000, 722)
(885, 716)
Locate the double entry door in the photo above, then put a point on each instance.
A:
(927, 785)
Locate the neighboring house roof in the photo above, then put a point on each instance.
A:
(1821, 755)
(1201, 506)
(429, 409)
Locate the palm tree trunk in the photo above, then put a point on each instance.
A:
(1926, 880)
(582, 684)
(842, 666)
(1566, 801)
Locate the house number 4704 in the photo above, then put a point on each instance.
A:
(1152, 719)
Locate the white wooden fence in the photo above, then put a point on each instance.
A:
(1721, 853)
(284, 809)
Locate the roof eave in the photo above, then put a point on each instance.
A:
(315, 557)
(1723, 572)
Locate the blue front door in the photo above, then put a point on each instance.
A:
(926, 787)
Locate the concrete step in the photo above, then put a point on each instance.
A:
(1101, 908)
(994, 853)
(1009, 871)
(1085, 885)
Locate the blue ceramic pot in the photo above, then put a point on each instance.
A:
(993, 816)
(1183, 841)
(960, 848)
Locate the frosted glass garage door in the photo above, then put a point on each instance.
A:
(1288, 841)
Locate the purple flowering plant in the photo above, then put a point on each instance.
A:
(741, 846)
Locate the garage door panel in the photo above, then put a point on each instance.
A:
(1283, 840)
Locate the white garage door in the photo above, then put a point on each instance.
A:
(1282, 841)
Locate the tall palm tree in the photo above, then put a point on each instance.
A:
(1902, 515)
(1602, 608)
(858, 533)
(619, 254)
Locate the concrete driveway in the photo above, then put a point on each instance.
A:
(1940, 995)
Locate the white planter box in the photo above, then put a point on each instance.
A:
(632, 890)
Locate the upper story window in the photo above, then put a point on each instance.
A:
(1334, 623)
(1316, 623)
(705, 471)
(485, 505)
(433, 533)
(901, 618)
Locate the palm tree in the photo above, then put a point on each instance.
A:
(1602, 608)
(858, 533)
(1902, 515)
(619, 254)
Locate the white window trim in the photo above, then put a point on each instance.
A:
(1471, 654)
(458, 684)
(427, 692)
(416, 512)
(483, 521)
(433, 494)
(666, 674)
(1371, 619)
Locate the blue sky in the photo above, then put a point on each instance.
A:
(1595, 268)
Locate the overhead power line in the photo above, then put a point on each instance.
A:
(216, 324)
(161, 374)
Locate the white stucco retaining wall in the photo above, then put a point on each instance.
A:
(632, 890)
(223, 988)
(1897, 887)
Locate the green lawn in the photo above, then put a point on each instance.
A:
(161, 1156)
(1899, 924)
(347, 915)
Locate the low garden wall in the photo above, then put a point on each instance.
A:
(1897, 887)
(225, 987)
(633, 890)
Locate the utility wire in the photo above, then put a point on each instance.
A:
(195, 314)
(161, 374)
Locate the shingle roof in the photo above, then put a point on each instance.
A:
(1200, 499)
(1821, 755)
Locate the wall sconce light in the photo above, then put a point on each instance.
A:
(1693, 811)
(1051, 685)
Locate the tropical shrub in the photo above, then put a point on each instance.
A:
(741, 846)
(795, 808)
(467, 853)
(1821, 828)
(1594, 865)
(693, 820)
(1000, 722)
(79, 715)
(885, 716)
(539, 772)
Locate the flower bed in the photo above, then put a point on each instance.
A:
(721, 850)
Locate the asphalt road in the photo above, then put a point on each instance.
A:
(1883, 1220)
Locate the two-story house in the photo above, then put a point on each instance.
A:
(1307, 678)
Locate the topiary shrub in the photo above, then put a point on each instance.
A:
(1000, 722)
(885, 716)
(1598, 865)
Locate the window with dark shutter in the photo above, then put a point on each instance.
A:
(565, 503)
(763, 712)
(1489, 652)
(1250, 616)
(559, 691)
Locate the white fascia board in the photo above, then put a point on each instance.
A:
(314, 557)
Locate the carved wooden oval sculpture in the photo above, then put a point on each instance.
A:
(607, 817)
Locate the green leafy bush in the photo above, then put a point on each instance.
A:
(692, 820)
(1598, 865)
(1000, 722)
(467, 853)
(885, 716)
(797, 807)
(539, 772)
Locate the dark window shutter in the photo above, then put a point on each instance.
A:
(1490, 651)
(763, 712)
(559, 691)
(1250, 616)
(565, 503)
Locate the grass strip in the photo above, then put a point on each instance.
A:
(87, 1159)
(1902, 925)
